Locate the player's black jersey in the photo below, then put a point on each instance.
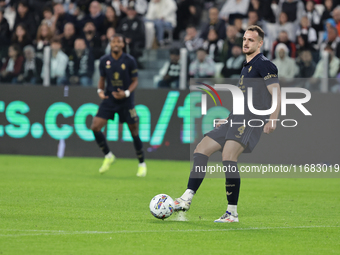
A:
(258, 74)
(118, 74)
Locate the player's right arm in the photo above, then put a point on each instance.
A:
(101, 82)
(101, 87)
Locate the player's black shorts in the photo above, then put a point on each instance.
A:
(246, 135)
(126, 113)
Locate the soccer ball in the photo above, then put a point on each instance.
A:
(162, 206)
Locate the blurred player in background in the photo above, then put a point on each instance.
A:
(261, 75)
(119, 70)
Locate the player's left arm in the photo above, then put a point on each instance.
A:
(271, 125)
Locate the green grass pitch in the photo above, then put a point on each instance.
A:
(63, 206)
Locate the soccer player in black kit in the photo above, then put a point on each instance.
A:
(260, 74)
(119, 70)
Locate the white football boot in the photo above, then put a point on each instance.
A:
(227, 218)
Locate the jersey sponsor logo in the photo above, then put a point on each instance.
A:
(108, 64)
(123, 66)
(116, 75)
(251, 67)
(267, 77)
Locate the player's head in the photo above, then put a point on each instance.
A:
(252, 40)
(117, 43)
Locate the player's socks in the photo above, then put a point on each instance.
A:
(197, 173)
(232, 182)
(232, 209)
(109, 155)
(139, 148)
(101, 141)
(141, 172)
(188, 194)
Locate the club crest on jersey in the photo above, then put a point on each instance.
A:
(108, 64)
(123, 66)
(250, 69)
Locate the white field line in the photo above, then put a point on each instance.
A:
(62, 232)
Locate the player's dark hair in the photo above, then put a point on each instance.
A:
(257, 29)
(201, 49)
(121, 36)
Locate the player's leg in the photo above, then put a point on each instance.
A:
(211, 143)
(231, 151)
(97, 124)
(139, 149)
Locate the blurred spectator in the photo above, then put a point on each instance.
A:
(132, 28)
(192, 42)
(92, 41)
(232, 39)
(326, 13)
(188, 12)
(306, 64)
(4, 35)
(110, 32)
(24, 16)
(232, 8)
(213, 46)
(283, 38)
(32, 67)
(313, 15)
(21, 36)
(67, 41)
(328, 24)
(120, 6)
(96, 17)
(336, 17)
(61, 18)
(253, 19)
(333, 67)
(203, 66)
(293, 8)
(233, 65)
(333, 64)
(238, 23)
(49, 19)
(11, 68)
(110, 20)
(80, 65)
(163, 14)
(214, 23)
(44, 36)
(263, 9)
(307, 33)
(333, 41)
(58, 63)
(286, 65)
(170, 71)
(285, 25)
